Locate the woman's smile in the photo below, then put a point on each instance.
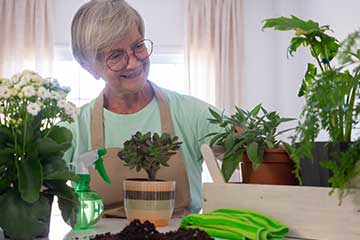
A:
(132, 74)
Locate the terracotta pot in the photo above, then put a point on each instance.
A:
(149, 200)
(276, 168)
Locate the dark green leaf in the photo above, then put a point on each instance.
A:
(67, 200)
(252, 151)
(29, 171)
(230, 164)
(308, 79)
(60, 135)
(48, 146)
(22, 220)
(254, 112)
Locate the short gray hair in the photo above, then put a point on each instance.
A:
(98, 24)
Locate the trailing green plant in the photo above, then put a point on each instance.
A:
(32, 145)
(149, 152)
(344, 170)
(251, 131)
(330, 88)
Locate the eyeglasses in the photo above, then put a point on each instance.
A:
(119, 58)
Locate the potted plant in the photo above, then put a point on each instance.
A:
(330, 89)
(251, 137)
(149, 152)
(32, 169)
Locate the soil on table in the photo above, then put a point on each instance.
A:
(140, 231)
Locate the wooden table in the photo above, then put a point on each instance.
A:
(59, 230)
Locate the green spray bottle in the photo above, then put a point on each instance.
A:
(91, 206)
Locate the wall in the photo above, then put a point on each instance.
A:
(164, 21)
(270, 77)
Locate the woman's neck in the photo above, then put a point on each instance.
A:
(128, 103)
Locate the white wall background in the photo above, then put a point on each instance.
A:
(164, 20)
(269, 77)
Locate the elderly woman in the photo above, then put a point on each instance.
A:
(108, 41)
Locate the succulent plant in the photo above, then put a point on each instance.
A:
(149, 152)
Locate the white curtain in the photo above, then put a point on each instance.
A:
(26, 36)
(214, 51)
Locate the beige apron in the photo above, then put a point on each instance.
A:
(112, 194)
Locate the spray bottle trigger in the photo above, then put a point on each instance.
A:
(99, 165)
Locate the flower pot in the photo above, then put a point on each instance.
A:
(149, 200)
(275, 168)
(312, 174)
(33, 219)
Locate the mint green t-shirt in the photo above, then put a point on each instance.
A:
(189, 117)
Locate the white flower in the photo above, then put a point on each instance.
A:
(14, 91)
(54, 95)
(43, 93)
(33, 108)
(5, 92)
(29, 91)
(61, 103)
(3, 81)
(15, 78)
(70, 110)
(46, 81)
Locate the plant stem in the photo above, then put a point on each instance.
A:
(317, 59)
(348, 121)
(24, 135)
(151, 174)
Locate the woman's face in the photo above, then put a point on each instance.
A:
(131, 78)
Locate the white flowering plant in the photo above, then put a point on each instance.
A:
(32, 145)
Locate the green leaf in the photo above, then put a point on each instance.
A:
(230, 164)
(295, 43)
(215, 115)
(22, 220)
(48, 146)
(229, 141)
(252, 151)
(62, 175)
(60, 135)
(308, 79)
(29, 172)
(254, 112)
(67, 200)
(6, 136)
(293, 23)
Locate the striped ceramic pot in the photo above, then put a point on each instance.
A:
(149, 200)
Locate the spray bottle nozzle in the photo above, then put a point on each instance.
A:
(99, 165)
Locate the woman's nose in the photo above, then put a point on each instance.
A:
(133, 61)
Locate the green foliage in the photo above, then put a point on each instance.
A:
(31, 152)
(149, 152)
(344, 170)
(250, 131)
(330, 88)
(31, 217)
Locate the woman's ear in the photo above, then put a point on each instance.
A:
(91, 69)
